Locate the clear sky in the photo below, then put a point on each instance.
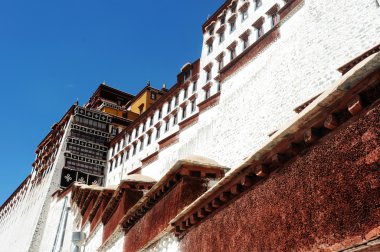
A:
(53, 52)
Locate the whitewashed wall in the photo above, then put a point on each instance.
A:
(261, 97)
(23, 228)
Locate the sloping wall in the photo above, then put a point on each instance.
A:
(329, 197)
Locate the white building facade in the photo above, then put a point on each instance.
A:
(261, 59)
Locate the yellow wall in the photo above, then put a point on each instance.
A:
(145, 99)
(130, 115)
(113, 111)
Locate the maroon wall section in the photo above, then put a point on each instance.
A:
(329, 195)
(98, 215)
(158, 218)
(87, 213)
(127, 201)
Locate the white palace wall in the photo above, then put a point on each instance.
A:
(260, 97)
(255, 101)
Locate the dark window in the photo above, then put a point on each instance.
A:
(245, 42)
(167, 126)
(232, 26)
(220, 63)
(193, 105)
(134, 149)
(185, 93)
(175, 119)
(158, 133)
(142, 144)
(176, 100)
(258, 3)
(187, 75)
(149, 139)
(232, 53)
(207, 93)
(194, 86)
(208, 74)
(183, 113)
(244, 15)
(221, 37)
(222, 19)
(260, 31)
(151, 121)
(275, 19)
(233, 8)
(211, 31)
(209, 48)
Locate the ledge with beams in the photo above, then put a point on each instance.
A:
(350, 96)
(208, 103)
(181, 185)
(126, 196)
(188, 121)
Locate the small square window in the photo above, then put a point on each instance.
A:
(207, 93)
(194, 86)
(232, 26)
(183, 113)
(153, 96)
(193, 106)
(244, 15)
(221, 37)
(258, 3)
(175, 119)
(158, 133)
(185, 93)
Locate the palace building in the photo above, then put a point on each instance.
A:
(270, 141)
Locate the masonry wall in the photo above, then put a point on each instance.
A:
(260, 97)
(157, 219)
(327, 197)
(26, 224)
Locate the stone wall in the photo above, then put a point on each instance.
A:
(328, 197)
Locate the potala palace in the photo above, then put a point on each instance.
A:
(270, 141)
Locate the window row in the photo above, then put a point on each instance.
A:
(155, 134)
(165, 110)
(90, 123)
(246, 39)
(231, 26)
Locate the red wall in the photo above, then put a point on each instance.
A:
(128, 199)
(158, 218)
(329, 195)
(87, 212)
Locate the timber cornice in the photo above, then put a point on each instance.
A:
(352, 95)
(181, 169)
(118, 194)
(105, 194)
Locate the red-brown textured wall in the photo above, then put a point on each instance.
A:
(128, 199)
(329, 195)
(98, 215)
(158, 218)
(87, 212)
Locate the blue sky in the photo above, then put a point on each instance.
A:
(55, 52)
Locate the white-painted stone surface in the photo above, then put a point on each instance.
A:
(255, 101)
(95, 240)
(168, 243)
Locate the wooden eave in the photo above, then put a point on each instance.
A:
(166, 183)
